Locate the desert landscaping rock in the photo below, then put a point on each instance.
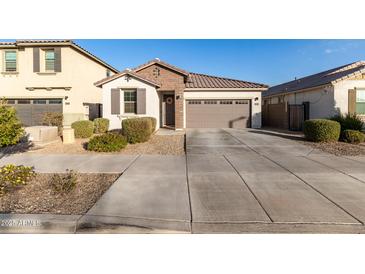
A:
(338, 148)
(158, 144)
(39, 197)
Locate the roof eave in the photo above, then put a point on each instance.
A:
(69, 43)
(114, 77)
(185, 73)
(225, 89)
(346, 77)
(296, 91)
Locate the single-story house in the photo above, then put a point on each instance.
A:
(39, 76)
(180, 99)
(321, 95)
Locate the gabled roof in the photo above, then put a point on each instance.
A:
(193, 80)
(327, 77)
(163, 64)
(197, 80)
(123, 73)
(70, 43)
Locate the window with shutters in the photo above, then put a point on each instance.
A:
(49, 60)
(130, 101)
(360, 101)
(10, 61)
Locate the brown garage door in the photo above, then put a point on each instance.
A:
(31, 111)
(218, 114)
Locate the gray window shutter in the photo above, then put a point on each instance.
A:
(57, 65)
(115, 100)
(35, 59)
(351, 101)
(141, 101)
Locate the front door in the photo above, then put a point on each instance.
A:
(169, 104)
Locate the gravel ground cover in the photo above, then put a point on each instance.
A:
(158, 144)
(339, 148)
(38, 196)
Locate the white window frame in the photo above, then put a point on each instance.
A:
(16, 61)
(45, 60)
(124, 102)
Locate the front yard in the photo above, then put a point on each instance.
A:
(338, 148)
(39, 196)
(157, 144)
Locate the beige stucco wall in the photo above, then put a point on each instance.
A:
(78, 72)
(341, 92)
(255, 105)
(321, 101)
(152, 101)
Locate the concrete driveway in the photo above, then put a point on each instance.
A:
(256, 180)
(238, 181)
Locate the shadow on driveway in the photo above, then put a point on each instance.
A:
(277, 134)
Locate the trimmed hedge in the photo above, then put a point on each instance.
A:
(153, 122)
(83, 129)
(108, 142)
(101, 125)
(353, 136)
(322, 130)
(137, 130)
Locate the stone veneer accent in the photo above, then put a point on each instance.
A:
(169, 80)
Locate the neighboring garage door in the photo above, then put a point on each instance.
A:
(31, 111)
(218, 114)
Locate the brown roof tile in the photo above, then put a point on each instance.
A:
(197, 80)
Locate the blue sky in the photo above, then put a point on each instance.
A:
(265, 61)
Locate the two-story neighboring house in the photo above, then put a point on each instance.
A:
(39, 76)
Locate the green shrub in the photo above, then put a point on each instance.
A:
(101, 125)
(12, 176)
(353, 136)
(11, 130)
(64, 183)
(349, 121)
(83, 129)
(53, 119)
(322, 130)
(137, 130)
(107, 142)
(153, 123)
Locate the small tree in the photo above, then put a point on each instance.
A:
(10, 127)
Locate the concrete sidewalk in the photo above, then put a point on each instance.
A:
(153, 193)
(48, 163)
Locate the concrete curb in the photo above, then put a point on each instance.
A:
(38, 223)
(70, 224)
(91, 222)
